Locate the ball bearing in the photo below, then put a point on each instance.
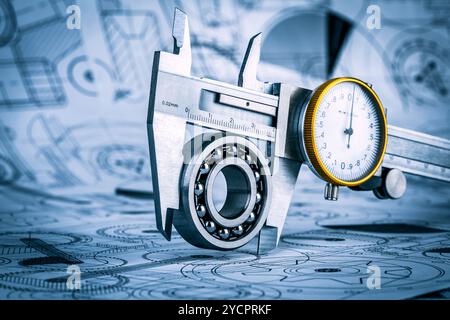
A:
(243, 195)
(247, 197)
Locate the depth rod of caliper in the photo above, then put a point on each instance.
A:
(417, 153)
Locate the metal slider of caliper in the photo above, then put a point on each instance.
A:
(409, 152)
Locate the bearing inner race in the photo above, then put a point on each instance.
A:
(241, 192)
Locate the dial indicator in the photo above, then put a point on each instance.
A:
(344, 132)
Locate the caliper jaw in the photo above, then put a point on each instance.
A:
(166, 132)
(180, 61)
(287, 160)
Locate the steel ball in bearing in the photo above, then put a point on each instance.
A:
(248, 158)
(199, 188)
(204, 168)
(224, 233)
(258, 197)
(251, 218)
(201, 210)
(231, 151)
(217, 154)
(238, 230)
(210, 226)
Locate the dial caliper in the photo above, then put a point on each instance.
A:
(257, 135)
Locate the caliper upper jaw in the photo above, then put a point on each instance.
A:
(166, 133)
(248, 73)
(249, 69)
(180, 61)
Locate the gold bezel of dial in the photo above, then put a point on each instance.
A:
(309, 134)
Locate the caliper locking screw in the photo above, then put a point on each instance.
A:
(331, 192)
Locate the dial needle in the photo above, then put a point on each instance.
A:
(349, 131)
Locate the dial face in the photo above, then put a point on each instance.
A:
(348, 132)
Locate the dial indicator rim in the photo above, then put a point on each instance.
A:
(309, 132)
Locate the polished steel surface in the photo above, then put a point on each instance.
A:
(200, 128)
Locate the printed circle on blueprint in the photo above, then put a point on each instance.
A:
(420, 64)
(212, 273)
(438, 252)
(16, 219)
(4, 261)
(329, 272)
(172, 290)
(94, 152)
(8, 22)
(50, 251)
(332, 239)
(121, 160)
(173, 285)
(351, 272)
(133, 233)
(194, 257)
(8, 172)
(12, 240)
(312, 212)
(38, 285)
(89, 76)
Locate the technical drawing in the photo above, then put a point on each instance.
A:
(86, 76)
(71, 163)
(8, 23)
(75, 182)
(30, 75)
(421, 68)
(132, 38)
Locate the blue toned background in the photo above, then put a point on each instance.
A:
(73, 106)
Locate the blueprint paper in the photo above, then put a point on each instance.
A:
(73, 106)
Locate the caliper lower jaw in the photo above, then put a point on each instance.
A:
(166, 132)
(283, 182)
(287, 161)
(166, 138)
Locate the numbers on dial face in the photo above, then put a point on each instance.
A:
(348, 129)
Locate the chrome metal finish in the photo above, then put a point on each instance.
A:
(393, 185)
(331, 192)
(199, 129)
(418, 153)
(240, 209)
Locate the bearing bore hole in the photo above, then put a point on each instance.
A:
(219, 191)
(231, 192)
